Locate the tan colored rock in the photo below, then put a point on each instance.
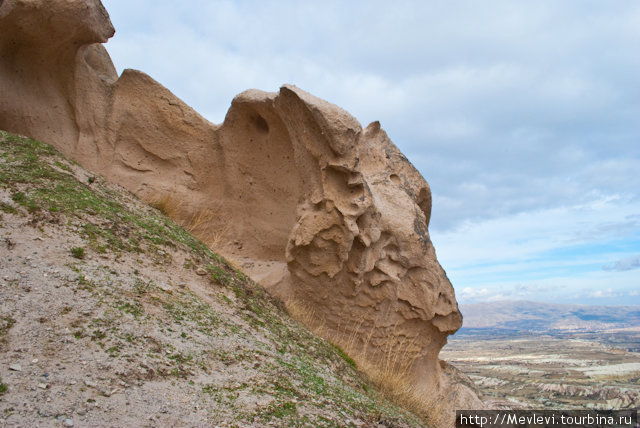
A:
(358, 251)
(330, 217)
(40, 42)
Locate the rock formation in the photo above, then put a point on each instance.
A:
(330, 217)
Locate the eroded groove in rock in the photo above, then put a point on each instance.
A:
(327, 215)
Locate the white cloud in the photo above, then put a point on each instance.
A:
(604, 293)
(526, 236)
(472, 293)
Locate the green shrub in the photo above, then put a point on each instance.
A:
(77, 252)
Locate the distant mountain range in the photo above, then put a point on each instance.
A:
(521, 317)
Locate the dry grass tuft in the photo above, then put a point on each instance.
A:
(204, 223)
(165, 204)
(395, 385)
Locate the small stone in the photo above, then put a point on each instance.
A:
(42, 385)
(165, 287)
(34, 361)
(201, 272)
(15, 367)
(68, 422)
(90, 383)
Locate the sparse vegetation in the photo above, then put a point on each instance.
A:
(5, 324)
(219, 275)
(9, 209)
(3, 387)
(345, 357)
(223, 339)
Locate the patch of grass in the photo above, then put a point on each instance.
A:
(62, 166)
(225, 299)
(131, 307)
(209, 389)
(188, 308)
(113, 351)
(218, 274)
(77, 252)
(84, 283)
(345, 356)
(22, 199)
(281, 410)
(5, 325)
(19, 197)
(181, 358)
(98, 335)
(28, 162)
(7, 208)
(3, 387)
(142, 287)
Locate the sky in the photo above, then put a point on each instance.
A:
(523, 116)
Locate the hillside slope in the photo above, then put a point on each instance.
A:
(112, 315)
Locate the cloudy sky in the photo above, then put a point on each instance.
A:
(524, 116)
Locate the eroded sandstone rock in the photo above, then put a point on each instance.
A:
(358, 251)
(330, 217)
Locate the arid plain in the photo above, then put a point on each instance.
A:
(525, 355)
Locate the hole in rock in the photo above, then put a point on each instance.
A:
(261, 124)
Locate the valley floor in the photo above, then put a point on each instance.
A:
(577, 371)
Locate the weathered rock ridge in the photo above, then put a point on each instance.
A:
(330, 217)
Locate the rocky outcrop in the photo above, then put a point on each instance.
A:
(351, 224)
(330, 217)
